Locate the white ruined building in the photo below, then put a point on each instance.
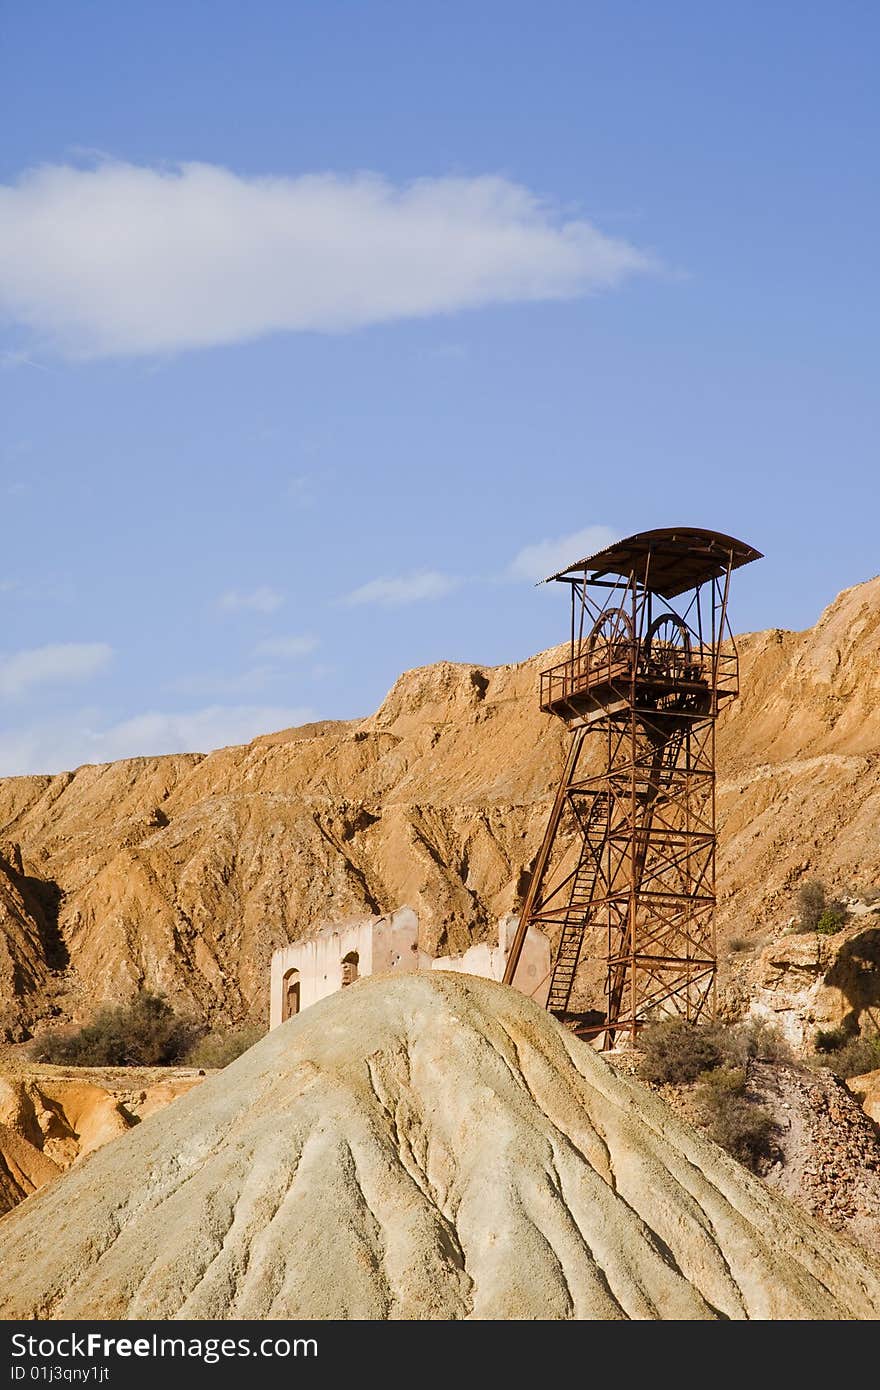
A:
(338, 954)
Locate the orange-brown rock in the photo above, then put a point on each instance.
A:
(867, 1089)
(52, 1116)
(23, 1168)
(806, 981)
(184, 873)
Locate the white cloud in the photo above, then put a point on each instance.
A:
(121, 259)
(56, 664)
(547, 557)
(62, 745)
(405, 588)
(286, 648)
(9, 360)
(262, 600)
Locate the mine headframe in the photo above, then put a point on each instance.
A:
(624, 880)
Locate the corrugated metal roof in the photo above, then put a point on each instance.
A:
(680, 558)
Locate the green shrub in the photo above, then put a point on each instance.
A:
(219, 1049)
(852, 1058)
(675, 1051)
(830, 1039)
(145, 1033)
(733, 1120)
(721, 1081)
(832, 919)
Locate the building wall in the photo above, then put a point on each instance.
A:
(383, 945)
(390, 944)
(532, 974)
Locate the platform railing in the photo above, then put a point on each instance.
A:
(615, 664)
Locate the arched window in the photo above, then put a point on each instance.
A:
(289, 995)
(349, 968)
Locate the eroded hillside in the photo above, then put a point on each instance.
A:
(184, 873)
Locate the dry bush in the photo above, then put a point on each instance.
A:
(214, 1050)
(759, 1039)
(830, 1039)
(812, 901)
(740, 1125)
(145, 1033)
(850, 1057)
(678, 1052)
(718, 1059)
(738, 944)
(817, 911)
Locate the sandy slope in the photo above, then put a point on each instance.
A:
(421, 1147)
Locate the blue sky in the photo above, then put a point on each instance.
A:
(325, 325)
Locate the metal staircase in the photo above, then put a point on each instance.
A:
(595, 834)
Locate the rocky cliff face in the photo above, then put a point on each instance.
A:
(184, 873)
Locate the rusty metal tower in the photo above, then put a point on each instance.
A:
(625, 876)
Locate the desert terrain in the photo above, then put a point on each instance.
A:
(182, 874)
(476, 1158)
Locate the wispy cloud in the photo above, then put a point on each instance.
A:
(301, 490)
(403, 589)
(59, 663)
(10, 359)
(286, 648)
(121, 259)
(545, 557)
(46, 587)
(64, 744)
(262, 600)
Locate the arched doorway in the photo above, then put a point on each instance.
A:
(350, 968)
(289, 995)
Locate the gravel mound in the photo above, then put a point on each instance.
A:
(429, 1146)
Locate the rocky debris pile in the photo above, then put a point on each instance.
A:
(829, 1150)
(824, 1149)
(427, 1146)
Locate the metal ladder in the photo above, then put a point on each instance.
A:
(583, 887)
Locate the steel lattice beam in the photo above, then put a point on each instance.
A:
(625, 874)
